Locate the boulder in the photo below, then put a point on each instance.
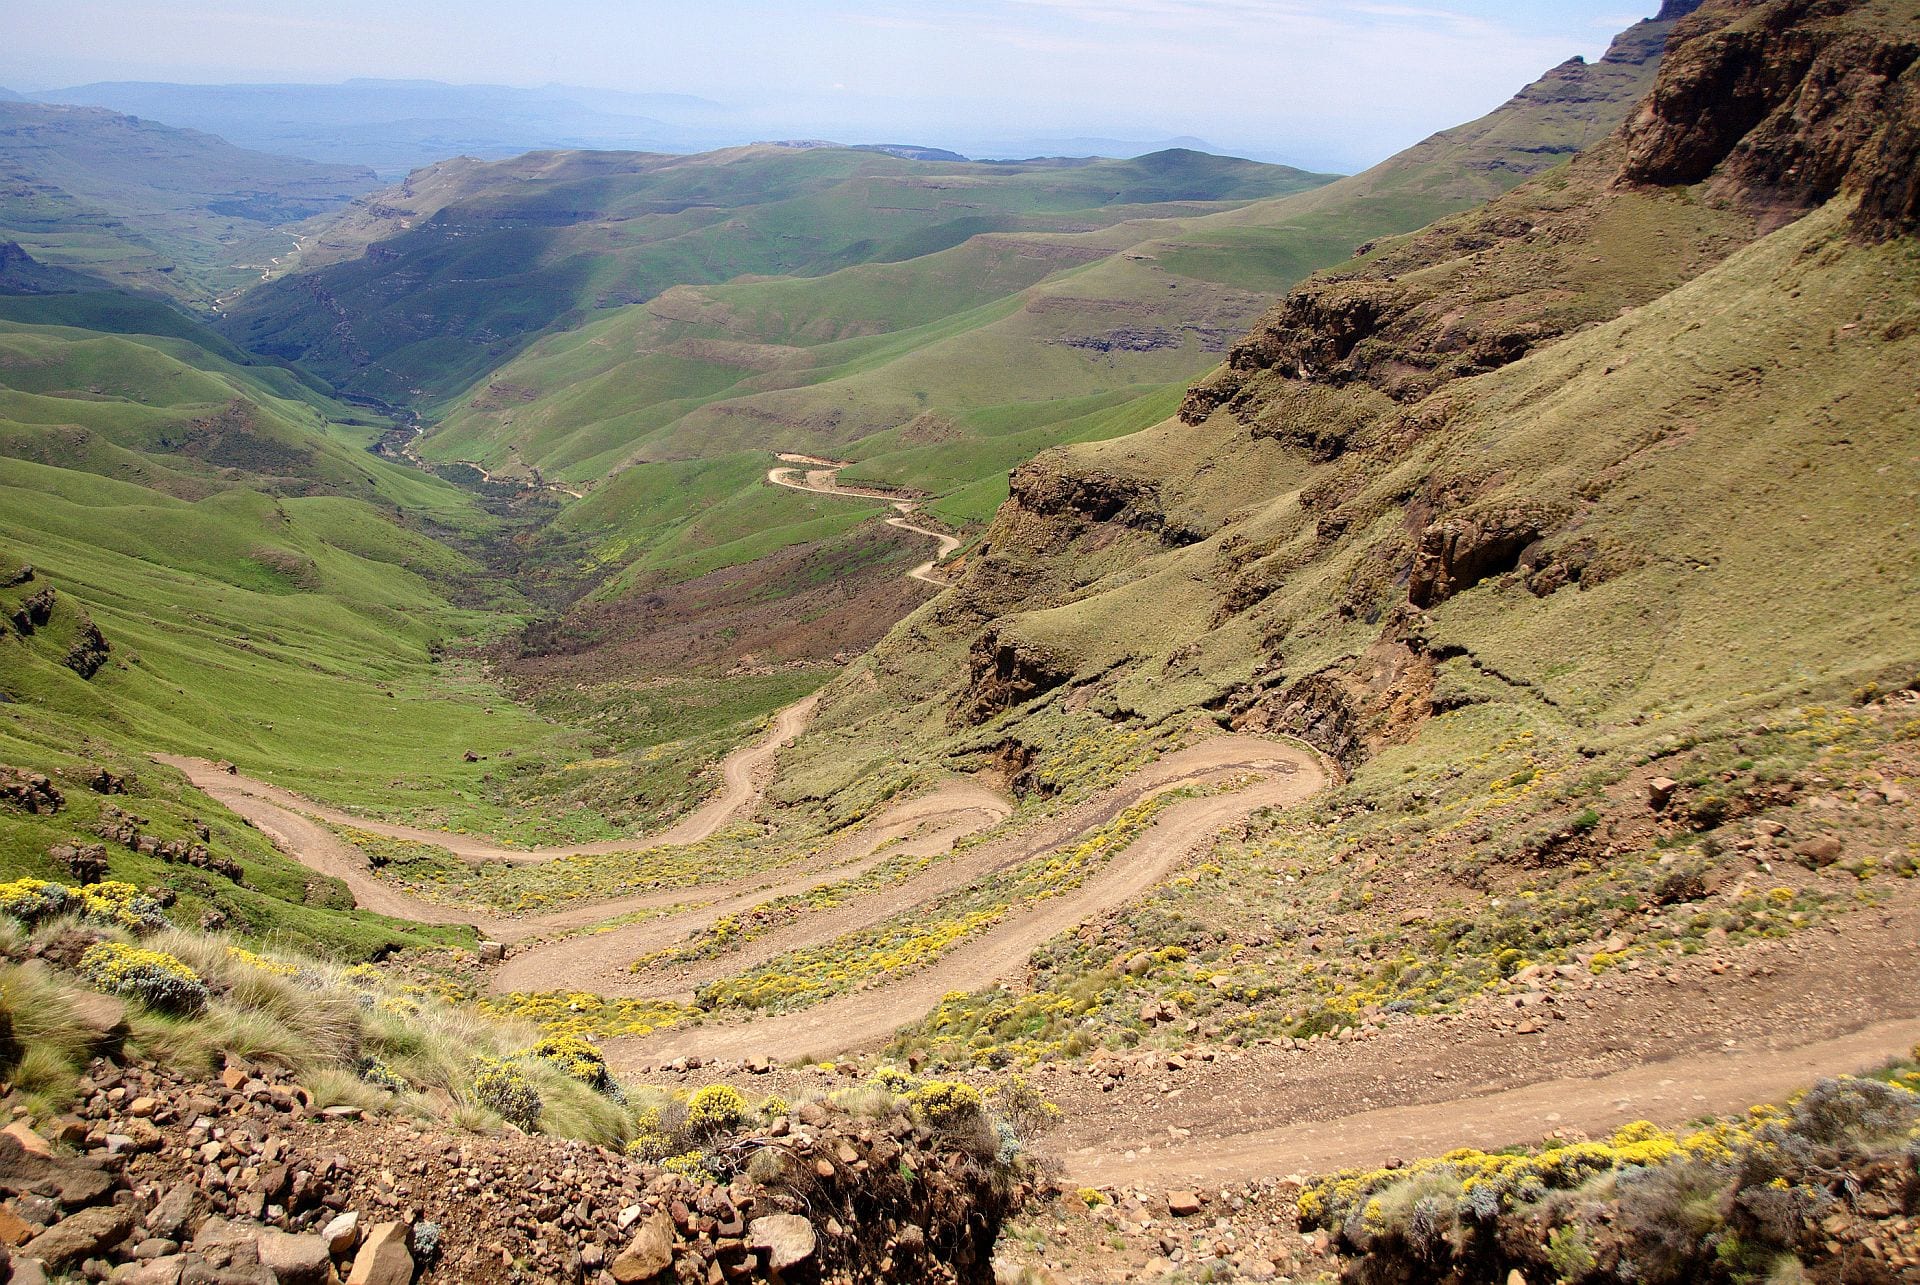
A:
(649, 1253)
(85, 1235)
(383, 1259)
(492, 952)
(1183, 1204)
(1660, 791)
(788, 1240)
(296, 1260)
(1821, 850)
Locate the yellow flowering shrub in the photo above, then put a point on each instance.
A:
(715, 1108)
(942, 1103)
(574, 1054)
(153, 977)
(504, 1089)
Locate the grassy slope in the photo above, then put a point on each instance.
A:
(141, 205)
(262, 597)
(540, 241)
(940, 373)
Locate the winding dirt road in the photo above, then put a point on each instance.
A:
(741, 785)
(924, 826)
(822, 477)
(1283, 774)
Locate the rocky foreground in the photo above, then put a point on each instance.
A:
(242, 1180)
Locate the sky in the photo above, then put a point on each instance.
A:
(1334, 85)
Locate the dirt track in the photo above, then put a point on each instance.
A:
(1286, 776)
(923, 826)
(1708, 1082)
(1683, 1040)
(822, 477)
(740, 789)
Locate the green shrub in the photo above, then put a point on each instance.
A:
(503, 1088)
(153, 977)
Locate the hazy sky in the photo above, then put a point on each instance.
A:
(1310, 80)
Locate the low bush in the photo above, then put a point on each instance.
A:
(503, 1089)
(153, 977)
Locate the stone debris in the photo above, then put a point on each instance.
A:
(242, 1179)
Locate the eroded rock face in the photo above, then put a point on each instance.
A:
(1457, 553)
(1095, 496)
(1785, 105)
(1349, 711)
(33, 612)
(89, 651)
(1003, 673)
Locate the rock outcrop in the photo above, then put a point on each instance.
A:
(1004, 672)
(1781, 106)
(1457, 553)
(26, 791)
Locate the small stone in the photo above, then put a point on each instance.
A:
(155, 1271)
(1183, 1204)
(649, 1254)
(788, 1240)
(492, 952)
(1660, 791)
(15, 1230)
(383, 1259)
(342, 1234)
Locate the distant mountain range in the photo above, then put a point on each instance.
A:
(395, 126)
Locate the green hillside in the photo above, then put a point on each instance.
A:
(941, 373)
(520, 246)
(271, 592)
(142, 206)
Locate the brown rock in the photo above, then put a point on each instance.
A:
(84, 1235)
(27, 1271)
(1660, 791)
(173, 1211)
(73, 1182)
(155, 1271)
(788, 1240)
(296, 1260)
(342, 1234)
(1821, 850)
(1183, 1204)
(383, 1259)
(32, 1143)
(650, 1252)
(14, 1230)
